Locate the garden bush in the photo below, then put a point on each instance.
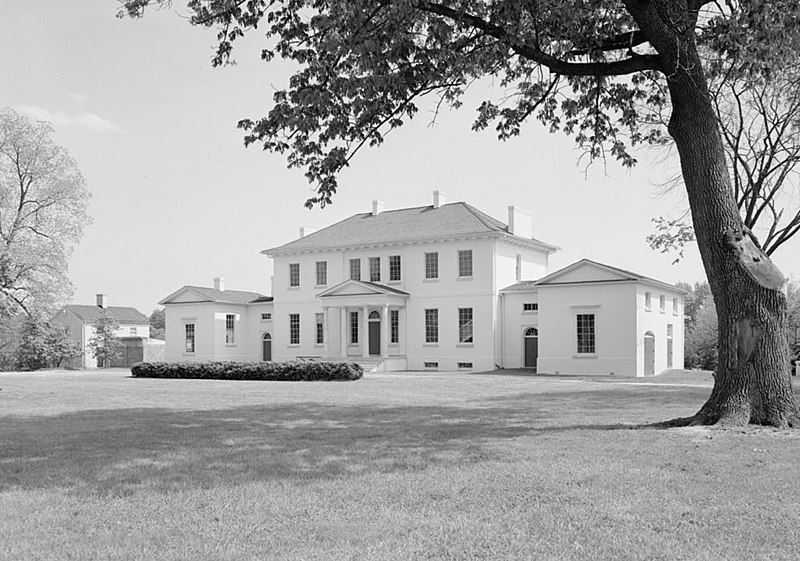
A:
(290, 371)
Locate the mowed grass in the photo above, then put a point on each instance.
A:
(395, 466)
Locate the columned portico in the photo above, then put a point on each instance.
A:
(372, 303)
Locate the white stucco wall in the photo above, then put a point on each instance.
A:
(656, 321)
(614, 307)
(515, 321)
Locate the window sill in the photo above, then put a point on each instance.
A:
(648, 309)
(465, 344)
(431, 280)
(319, 345)
(293, 345)
(293, 288)
(585, 355)
(468, 278)
(394, 282)
(530, 313)
(231, 345)
(320, 286)
(430, 344)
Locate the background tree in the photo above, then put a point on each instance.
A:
(105, 345)
(42, 345)
(584, 67)
(157, 324)
(43, 200)
(760, 124)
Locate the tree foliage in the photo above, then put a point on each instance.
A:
(105, 345)
(43, 345)
(158, 324)
(760, 123)
(43, 201)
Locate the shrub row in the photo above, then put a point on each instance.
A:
(291, 371)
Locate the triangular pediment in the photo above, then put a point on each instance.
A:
(185, 294)
(586, 271)
(360, 288)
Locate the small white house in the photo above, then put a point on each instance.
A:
(216, 324)
(437, 287)
(590, 318)
(133, 330)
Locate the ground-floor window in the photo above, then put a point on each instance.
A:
(354, 328)
(465, 325)
(294, 329)
(230, 322)
(669, 345)
(586, 333)
(394, 326)
(320, 328)
(432, 326)
(189, 329)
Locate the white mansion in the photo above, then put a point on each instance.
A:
(438, 287)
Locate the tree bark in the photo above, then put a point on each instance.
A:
(753, 380)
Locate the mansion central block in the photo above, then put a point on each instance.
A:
(437, 287)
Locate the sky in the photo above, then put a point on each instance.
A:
(177, 199)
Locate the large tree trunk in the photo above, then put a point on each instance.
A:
(753, 381)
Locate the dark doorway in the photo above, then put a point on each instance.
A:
(374, 334)
(649, 354)
(266, 353)
(531, 347)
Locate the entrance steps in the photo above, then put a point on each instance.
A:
(371, 364)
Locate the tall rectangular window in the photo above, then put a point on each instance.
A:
(320, 319)
(465, 325)
(432, 265)
(464, 262)
(585, 325)
(394, 326)
(374, 269)
(394, 268)
(322, 273)
(669, 345)
(675, 306)
(661, 303)
(355, 269)
(354, 328)
(189, 330)
(294, 274)
(230, 321)
(647, 301)
(294, 329)
(432, 326)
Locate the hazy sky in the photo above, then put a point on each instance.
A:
(177, 199)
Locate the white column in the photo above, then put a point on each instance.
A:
(385, 332)
(325, 332)
(343, 331)
(364, 335)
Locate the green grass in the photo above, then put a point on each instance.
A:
(395, 466)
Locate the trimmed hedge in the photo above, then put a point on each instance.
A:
(291, 371)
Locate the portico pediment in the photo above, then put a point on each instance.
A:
(356, 288)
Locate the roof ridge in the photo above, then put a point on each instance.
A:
(481, 216)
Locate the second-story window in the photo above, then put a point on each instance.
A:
(432, 265)
(294, 274)
(322, 273)
(465, 263)
(662, 303)
(355, 269)
(374, 269)
(394, 268)
(647, 301)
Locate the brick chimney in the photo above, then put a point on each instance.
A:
(102, 301)
(438, 198)
(219, 284)
(377, 207)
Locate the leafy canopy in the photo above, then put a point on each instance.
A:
(584, 67)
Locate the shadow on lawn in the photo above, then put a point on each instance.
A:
(118, 451)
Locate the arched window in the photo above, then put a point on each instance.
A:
(374, 315)
(531, 332)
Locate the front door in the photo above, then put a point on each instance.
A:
(374, 334)
(267, 347)
(531, 347)
(649, 354)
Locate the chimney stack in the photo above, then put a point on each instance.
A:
(520, 222)
(438, 198)
(219, 284)
(377, 207)
(102, 301)
(305, 230)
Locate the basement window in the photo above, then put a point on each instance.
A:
(465, 366)
(431, 365)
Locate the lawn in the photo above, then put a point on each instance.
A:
(395, 466)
